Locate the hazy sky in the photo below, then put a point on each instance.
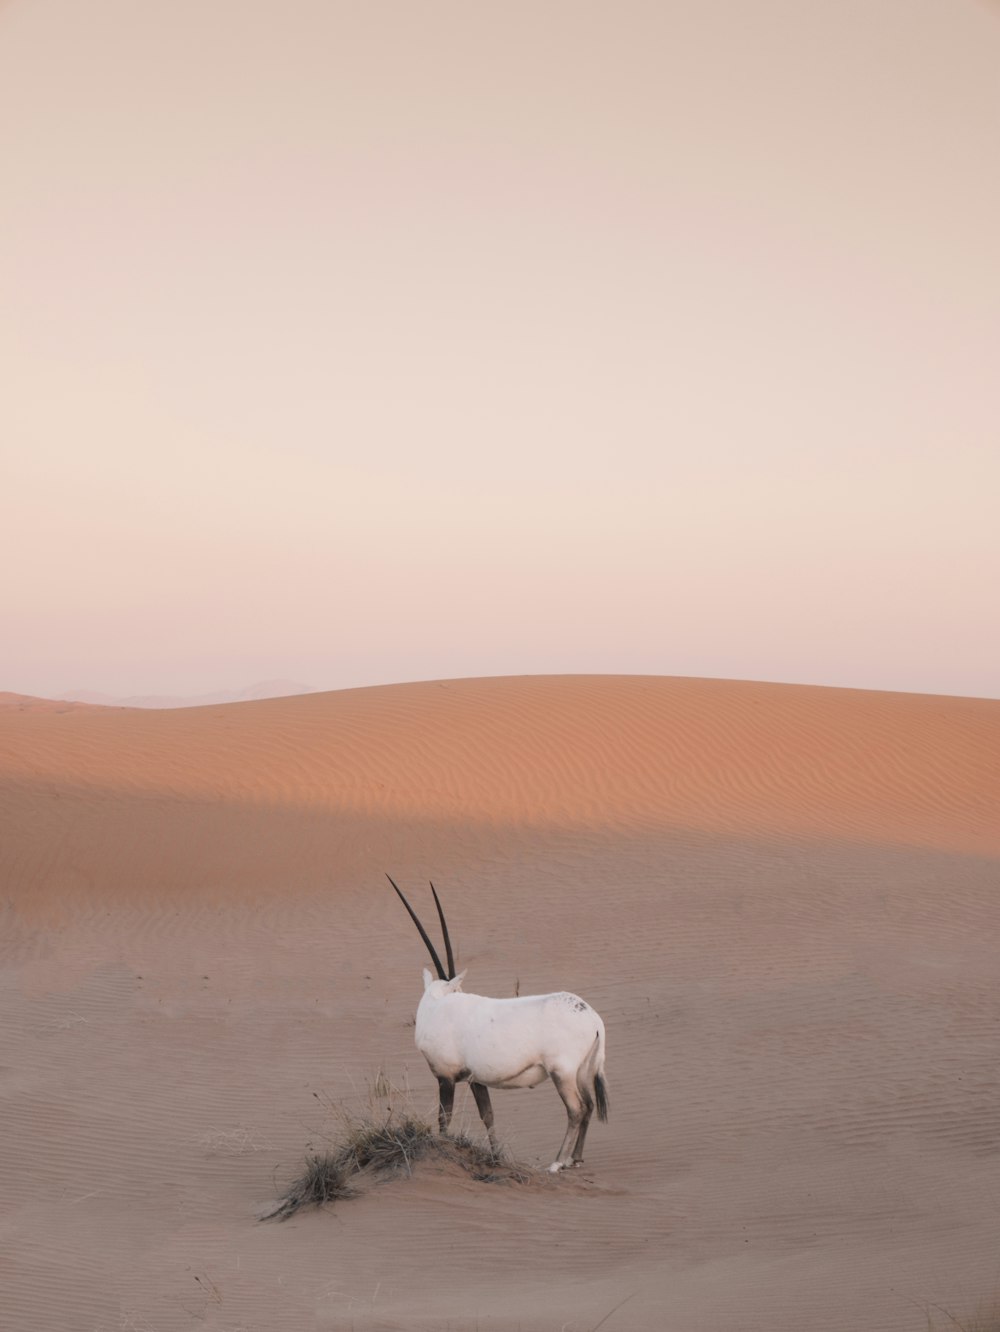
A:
(360, 342)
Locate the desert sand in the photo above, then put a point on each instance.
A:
(783, 900)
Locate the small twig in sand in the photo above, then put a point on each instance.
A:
(613, 1311)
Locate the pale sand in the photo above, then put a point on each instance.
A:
(784, 901)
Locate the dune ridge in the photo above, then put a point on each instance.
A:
(590, 751)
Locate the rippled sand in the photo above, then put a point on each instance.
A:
(784, 901)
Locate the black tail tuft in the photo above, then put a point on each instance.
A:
(601, 1096)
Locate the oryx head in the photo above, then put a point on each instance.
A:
(451, 981)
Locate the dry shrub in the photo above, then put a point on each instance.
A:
(480, 1161)
(384, 1142)
(323, 1180)
(386, 1146)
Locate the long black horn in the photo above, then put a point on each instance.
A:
(423, 933)
(444, 931)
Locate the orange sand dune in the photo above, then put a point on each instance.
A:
(784, 901)
(609, 753)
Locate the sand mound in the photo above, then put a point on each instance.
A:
(782, 900)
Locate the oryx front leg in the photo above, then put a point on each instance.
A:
(577, 1116)
(485, 1108)
(446, 1092)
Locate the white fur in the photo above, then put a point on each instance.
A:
(505, 1043)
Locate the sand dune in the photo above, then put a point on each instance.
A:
(784, 901)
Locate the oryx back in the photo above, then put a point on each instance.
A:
(505, 1043)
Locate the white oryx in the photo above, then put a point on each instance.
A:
(510, 1043)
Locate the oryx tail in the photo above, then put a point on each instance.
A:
(590, 1079)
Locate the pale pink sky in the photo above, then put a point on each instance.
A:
(360, 342)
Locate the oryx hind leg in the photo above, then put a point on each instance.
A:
(580, 1138)
(446, 1093)
(588, 1110)
(576, 1114)
(485, 1108)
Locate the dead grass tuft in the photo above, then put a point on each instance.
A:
(388, 1146)
(384, 1142)
(323, 1180)
(480, 1161)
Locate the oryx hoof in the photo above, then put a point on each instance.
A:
(555, 1167)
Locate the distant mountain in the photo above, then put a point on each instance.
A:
(263, 689)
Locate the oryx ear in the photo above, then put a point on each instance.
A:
(456, 984)
(428, 978)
